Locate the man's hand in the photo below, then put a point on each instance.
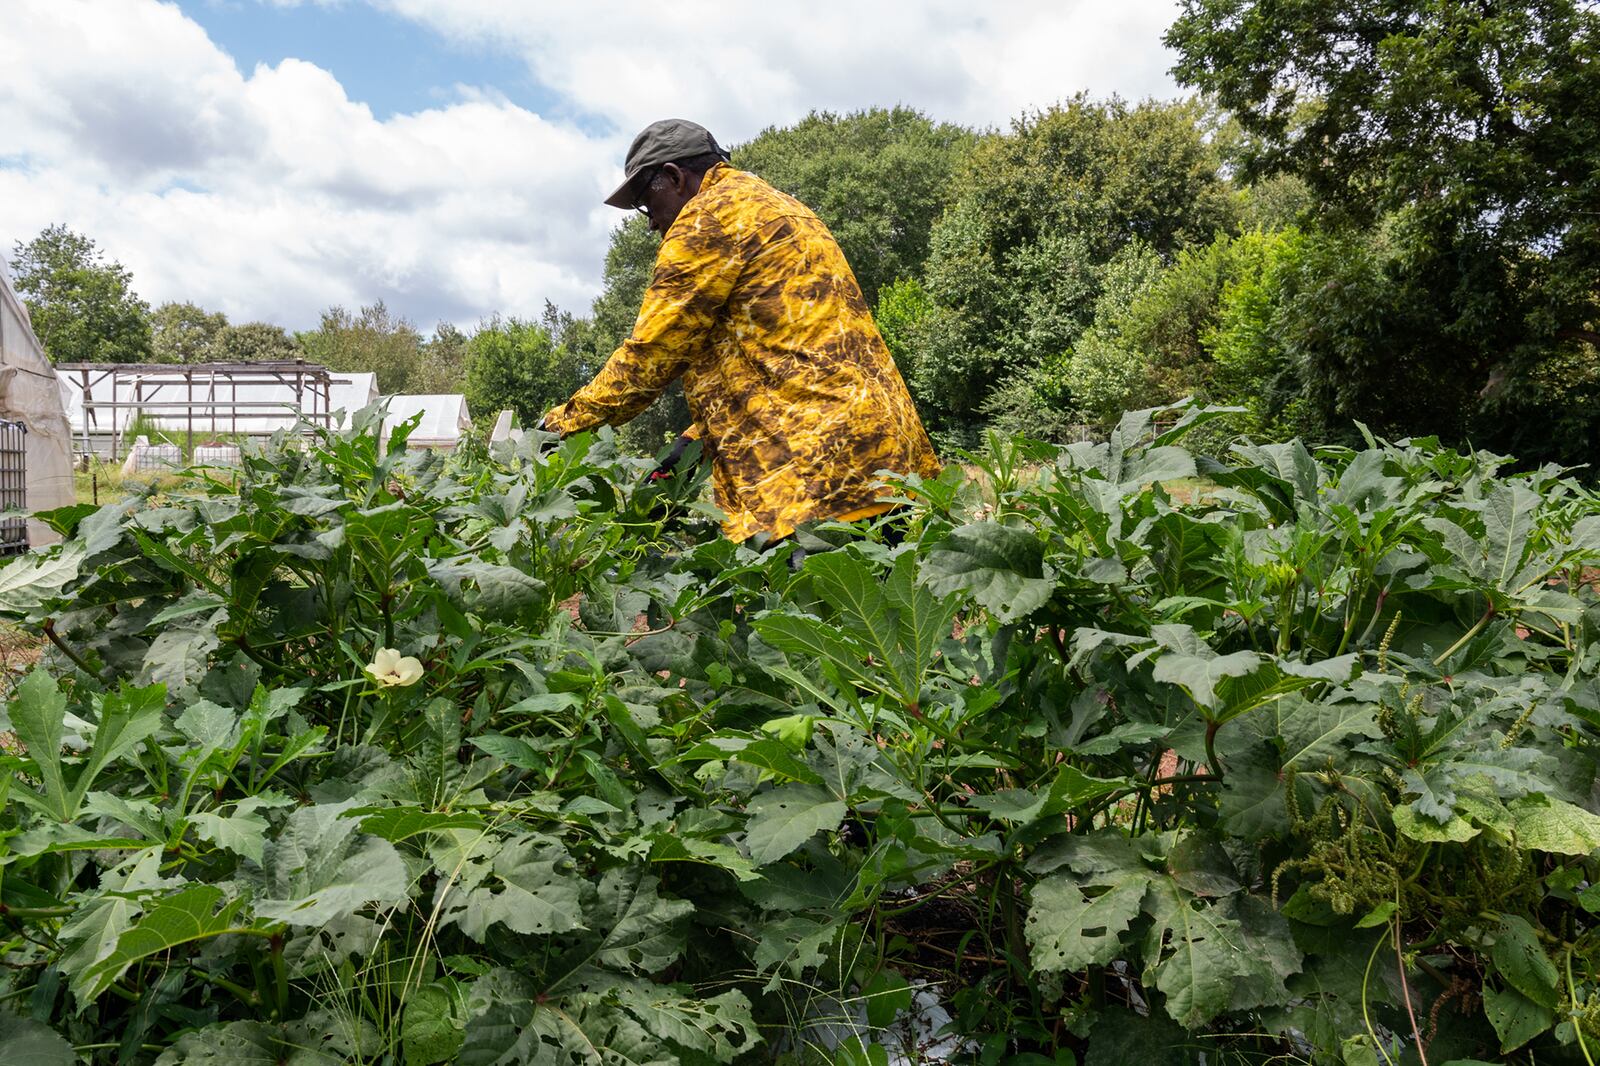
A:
(671, 461)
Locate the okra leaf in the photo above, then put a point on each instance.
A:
(784, 818)
(181, 918)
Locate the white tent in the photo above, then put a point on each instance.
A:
(444, 418)
(352, 392)
(31, 393)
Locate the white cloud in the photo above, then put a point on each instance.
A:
(131, 91)
(741, 67)
(271, 194)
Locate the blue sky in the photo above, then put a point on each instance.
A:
(392, 64)
(273, 158)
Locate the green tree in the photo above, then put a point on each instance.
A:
(1373, 340)
(1253, 365)
(82, 306)
(929, 344)
(519, 365)
(1168, 320)
(371, 340)
(1274, 203)
(184, 332)
(443, 366)
(1308, 331)
(254, 342)
(878, 178)
(1043, 210)
(900, 314)
(1466, 132)
(1105, 373)
(1151, 338)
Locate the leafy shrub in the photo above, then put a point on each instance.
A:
(1105, 373)
(934, 353)
(520, 366)
(1252, 367)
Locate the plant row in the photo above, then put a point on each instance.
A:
(1119, 752)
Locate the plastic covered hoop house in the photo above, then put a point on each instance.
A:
(31, 401)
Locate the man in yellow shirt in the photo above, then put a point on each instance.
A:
(793, 393)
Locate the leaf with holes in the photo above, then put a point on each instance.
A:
(784, 818)
(1071, 926)
(644, 933)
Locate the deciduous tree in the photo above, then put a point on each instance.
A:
(83, 307)
(185, 332)
(1473, 125)
(370, 340)
(518, 364)
(254, 342)
(1043, 209)
(444, 361)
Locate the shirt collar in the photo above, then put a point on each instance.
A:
(714, 175)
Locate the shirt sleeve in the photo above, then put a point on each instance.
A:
(694, 275)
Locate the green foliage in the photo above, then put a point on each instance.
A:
(252, 342)
(1148, 338)
(1105, 372)
(1271, 772)
(374, 341)
(82, 306)
(900, 312)
(1549, 412)
(929, 347)
(1458, 132)
(1278, 202)
(31, 1043)
(1251, 364)
(1308, 331)
(443, 362)
(522, 366)
(1020, 259)
(184, 333)
(1106, 171)
(1463, 113)
(878, 178)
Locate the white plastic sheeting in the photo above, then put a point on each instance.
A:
(918, 1035)
(444, 418)
(352, 392)
(30, 392)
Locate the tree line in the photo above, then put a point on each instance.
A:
(1379, 216)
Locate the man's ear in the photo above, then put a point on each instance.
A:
(677, 176)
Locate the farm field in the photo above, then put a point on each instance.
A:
(1298, 768)
(1223, 691)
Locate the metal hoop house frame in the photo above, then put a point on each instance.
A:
(205, 398)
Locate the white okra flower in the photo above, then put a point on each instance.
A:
(392, 670)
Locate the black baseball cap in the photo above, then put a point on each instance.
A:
(667, 141)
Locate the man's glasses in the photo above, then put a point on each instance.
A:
(640, 203)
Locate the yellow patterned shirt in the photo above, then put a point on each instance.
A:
(793, 392)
